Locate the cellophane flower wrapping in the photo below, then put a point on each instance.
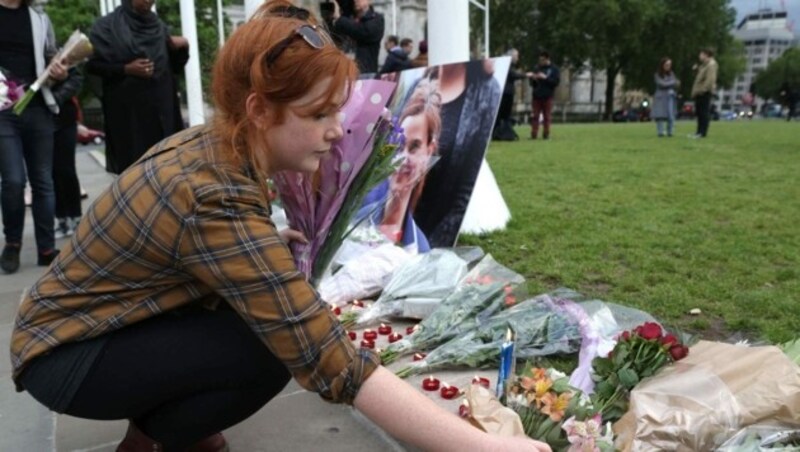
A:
(313, 201)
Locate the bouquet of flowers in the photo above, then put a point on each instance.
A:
(639, 354)
(10, 90)
(77, 49)
(540, 325)
(322, 205)
(486, 289)
(553, 411)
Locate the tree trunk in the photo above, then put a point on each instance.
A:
(611, 77)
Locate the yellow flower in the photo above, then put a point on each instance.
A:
(536, 389)
(555, 406)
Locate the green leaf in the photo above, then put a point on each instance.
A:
(792, 348)
(628, 378)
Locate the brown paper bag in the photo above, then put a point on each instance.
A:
(491, 415)
(707, 397)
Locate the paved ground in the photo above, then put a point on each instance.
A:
(295, 421)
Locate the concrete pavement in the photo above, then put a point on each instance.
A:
(295, 421)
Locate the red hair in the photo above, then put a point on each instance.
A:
(241, 69)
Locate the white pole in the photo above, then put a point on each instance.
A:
(250, 7)
(394, 17)
(194, 88)
(220, 24)
(486, 28)
(448, 31)
(103, 9)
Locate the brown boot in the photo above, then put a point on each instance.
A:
(136, 441)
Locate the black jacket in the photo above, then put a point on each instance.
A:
(545, 89)
(396, 60)
(364, 35)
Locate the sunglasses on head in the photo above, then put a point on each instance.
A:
(312, 35)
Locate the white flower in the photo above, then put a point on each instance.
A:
(555, 375)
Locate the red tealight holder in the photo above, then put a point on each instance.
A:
(430, 384)
(336, 310)
(352, 335)
(448, 392)
(411, 329)
(384, 329)
(370, 335)
(358, 303)
(481, 381)
(366, 343)
(418, 356)
(463, 409)
(394, 337)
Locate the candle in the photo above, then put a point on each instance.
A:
(481, 381)
(352, 335)
(336, 310)
(418, 356)
(430, 384)
(394, 337)
(448, 392)
(370, 335)
(358, 303)
(366, 343)
(463, 409)
(411, 329)
(384, 329)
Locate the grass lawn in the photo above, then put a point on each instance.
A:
(661, 224)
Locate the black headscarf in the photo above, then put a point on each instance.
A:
(125, 35)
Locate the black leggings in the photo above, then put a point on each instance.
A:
(181, 378)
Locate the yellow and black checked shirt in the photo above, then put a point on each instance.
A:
(180, 227)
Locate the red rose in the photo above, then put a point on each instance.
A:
(650, 330)
(669, 340)
(678, 352)
(626, 336)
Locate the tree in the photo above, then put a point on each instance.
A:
(781, 72)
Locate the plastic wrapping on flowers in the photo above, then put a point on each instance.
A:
(541, 325)
(417, 286)
(487, 288)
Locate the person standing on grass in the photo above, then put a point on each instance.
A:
(503, 128)
(177, 304)
(664, 98)
(545, 79)
(705, 85)
(27, 44)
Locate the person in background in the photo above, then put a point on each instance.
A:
(545, 79)
(27, 45)
(705, 85)
(421, 60)
(364, 31)
(664, 99)
(503, 128)
(136, 58)
(790, 97)
(179, 307)
(390, 43)
(398, 58)
(65, 176)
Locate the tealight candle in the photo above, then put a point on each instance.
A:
(430, 384)
(418, 356)
(394, 337)
(366, 343)
(448, 392)
(411, 329)
(358, 303)
(463, 409)
(384, 329)
(336, 310)
(370, 335)
(481, 381)
(352, 335)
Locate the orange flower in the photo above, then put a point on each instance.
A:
(555, 406)
(539, 389)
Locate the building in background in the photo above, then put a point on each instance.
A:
(766, 35)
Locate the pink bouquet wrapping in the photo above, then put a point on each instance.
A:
(317, 203)
(11, 91)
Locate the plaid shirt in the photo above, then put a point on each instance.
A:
(184, 226)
